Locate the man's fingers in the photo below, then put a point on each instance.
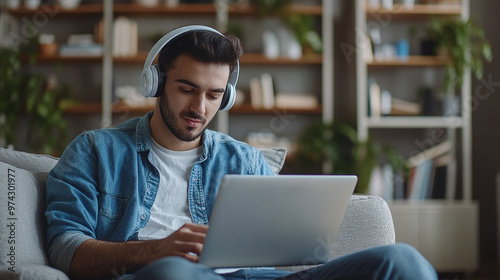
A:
(196, 227)
(184, 247)
(192, 234)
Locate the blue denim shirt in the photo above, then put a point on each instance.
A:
(104, 185)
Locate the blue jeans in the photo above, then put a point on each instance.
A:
(399, 261)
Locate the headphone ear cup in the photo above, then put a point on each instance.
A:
(152, 81)
(147, 82)
(228, 98)
(160, 80)
(230, 94)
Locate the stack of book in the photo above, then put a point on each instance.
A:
(382, 103)
(264, 96)
(426, 180)
(80, 45)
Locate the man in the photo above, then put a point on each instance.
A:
(136, 199)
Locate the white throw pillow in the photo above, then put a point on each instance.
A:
(22, 220)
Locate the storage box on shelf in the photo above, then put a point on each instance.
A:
(436, 227)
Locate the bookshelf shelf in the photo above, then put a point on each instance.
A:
(96, 108)
(418, 11)
(246, 59)
(248, 10)
(414, 122)
(203, 9)
(58, 11)
(248, 109)
(158, 10)
(412, 61)
(70, 59)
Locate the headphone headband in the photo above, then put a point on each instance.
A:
(151, 75)
(171, 35)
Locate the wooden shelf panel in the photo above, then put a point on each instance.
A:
(248, 109)
(96, 108)
(249, 10)
(412, 61)
(179, 10)
(255, 58)
(203, 9)
(56, 11)
(59, 59)
(418, 11)
(140, 10)
(248, 59)
(414, 122)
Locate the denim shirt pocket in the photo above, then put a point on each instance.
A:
(111, 211)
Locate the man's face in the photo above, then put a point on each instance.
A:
(192, 96)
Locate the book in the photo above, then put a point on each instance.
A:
(438, 177)
(255, 93)
(296, 101)
(124, 37)
(421, 181)
(405, 108)
(430, 153)
(268, 99)
(388, 179)
(374, 97)
(385, 102)
(83, 50)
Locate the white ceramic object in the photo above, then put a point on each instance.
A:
(271, 44)
(12, 4)
(409, 4)
(171, 3)
(148, 3)
(32, 4)
(387, 4)
(69, 4)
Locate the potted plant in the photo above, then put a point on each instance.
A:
(30, 95)
(337, 145)
(465, 44)
(301, 25)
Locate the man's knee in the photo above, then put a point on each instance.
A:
(404, 258)
(165, 269)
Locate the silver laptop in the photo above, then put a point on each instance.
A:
(275, 220)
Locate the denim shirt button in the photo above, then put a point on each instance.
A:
(143, 216)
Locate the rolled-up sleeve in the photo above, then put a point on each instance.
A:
(71, 202)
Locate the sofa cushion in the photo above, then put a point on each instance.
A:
(28, 161)
(22, 204)
(275, 157)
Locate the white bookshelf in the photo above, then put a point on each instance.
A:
(444, 231)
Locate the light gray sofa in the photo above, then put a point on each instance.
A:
(367, 221)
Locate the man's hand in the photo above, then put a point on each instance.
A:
(99, 259)
(186, 242)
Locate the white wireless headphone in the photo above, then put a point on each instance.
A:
(151, 80)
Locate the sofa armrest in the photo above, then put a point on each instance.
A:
(33, 272)
(367, 223)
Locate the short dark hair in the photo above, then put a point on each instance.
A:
(204, 46)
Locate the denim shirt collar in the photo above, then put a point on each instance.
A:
(143, 133)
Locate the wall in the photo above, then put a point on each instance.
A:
(486, 134)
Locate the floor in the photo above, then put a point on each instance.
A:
(487, 271)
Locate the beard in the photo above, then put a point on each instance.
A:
(172, 121)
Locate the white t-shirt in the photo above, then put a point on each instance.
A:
(170, 209)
